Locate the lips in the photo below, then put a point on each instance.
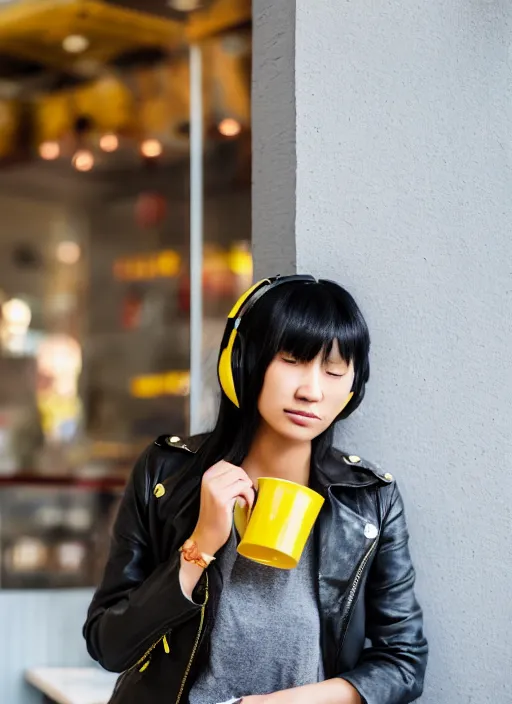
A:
(302, 418)
(304, 414)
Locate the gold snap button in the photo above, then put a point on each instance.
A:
(175, 438)
(388, 477)
(354, 459)
(159, 490)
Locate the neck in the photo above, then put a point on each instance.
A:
(271, 455)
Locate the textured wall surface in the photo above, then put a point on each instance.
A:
(403, 193)
(37, 629)
(273, 137)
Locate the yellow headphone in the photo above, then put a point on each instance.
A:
(244, 304)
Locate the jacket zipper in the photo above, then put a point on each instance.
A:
(146, 654)
(352, 593)
(196, 644)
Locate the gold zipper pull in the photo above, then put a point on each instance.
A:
(145, 666)
(166, 645)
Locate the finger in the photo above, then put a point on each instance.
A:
(224, 480)
(240, 490)
(249, 497)
(220, 469)
(227, 496)
(232, 490)
(225, 466)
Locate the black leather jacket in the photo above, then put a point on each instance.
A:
(140, 623)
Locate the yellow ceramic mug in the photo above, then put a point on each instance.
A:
(280, 522)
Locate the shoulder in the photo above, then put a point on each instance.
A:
(163, 460)
(171, 452)
(349, 469)
(360, 464)
(171, 443)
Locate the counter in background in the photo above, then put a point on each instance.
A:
(54, 538)
(54, 532)
(73, 685)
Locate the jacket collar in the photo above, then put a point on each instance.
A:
(336, 468)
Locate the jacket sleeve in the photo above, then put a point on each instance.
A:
(135, 603)
(392, 670)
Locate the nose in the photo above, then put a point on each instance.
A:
(310, 387)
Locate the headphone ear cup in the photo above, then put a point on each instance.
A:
(225, 370)
(236, 368)
(347, 401)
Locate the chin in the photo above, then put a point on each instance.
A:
(295, 432)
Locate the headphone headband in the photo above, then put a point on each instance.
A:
(241, 308)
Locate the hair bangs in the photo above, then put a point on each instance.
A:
(309, 319)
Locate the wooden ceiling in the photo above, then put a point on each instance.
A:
(132, 78)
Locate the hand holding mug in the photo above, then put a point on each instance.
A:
(222, 485)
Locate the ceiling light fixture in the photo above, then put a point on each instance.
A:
(75, 43)
(229, 127)
(184, 5)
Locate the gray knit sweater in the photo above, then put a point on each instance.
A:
(266, 635)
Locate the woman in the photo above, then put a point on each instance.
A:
(187, 619)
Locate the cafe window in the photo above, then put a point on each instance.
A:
(95, 256)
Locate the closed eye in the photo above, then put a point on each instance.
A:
(289, 360)
(338, 376)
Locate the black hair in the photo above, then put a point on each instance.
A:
(301, 319)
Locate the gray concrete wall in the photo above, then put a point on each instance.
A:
(403, 180)
(273, 133)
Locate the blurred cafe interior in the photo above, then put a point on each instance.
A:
(125, 172)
